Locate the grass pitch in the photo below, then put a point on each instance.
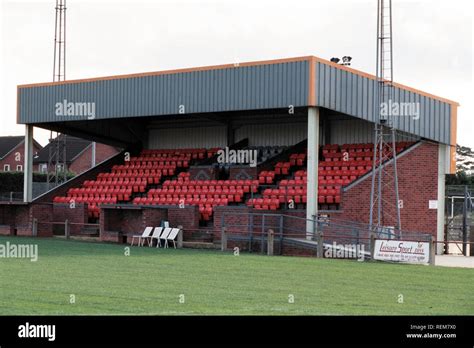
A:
(102, 280)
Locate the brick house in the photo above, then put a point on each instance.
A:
(78, 155)
(11, 153)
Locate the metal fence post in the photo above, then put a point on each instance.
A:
(251, 233)
(320, 241)
(66, 228)
(356, 230)
(180, 237)
(270, 236)
(432, 251)
(281, 234)
(35, 227)
(372, 245)
(464, 222)
(223, 239)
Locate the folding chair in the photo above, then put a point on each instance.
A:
(156, 235)
(164, 236)
(172, 236)
(141, 237)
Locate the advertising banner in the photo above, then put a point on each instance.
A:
(402, 251)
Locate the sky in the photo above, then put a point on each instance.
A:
(432, 41)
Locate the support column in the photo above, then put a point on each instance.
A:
(28, 165)
(313, 159)
(443, 167)
(93, 151)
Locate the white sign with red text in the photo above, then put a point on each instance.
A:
(402, 251)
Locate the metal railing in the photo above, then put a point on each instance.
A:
(11, 196)
(252, 229)
(67, 228)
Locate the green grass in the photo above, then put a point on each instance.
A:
(149, 281)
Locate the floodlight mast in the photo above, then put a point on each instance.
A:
(384, 196)
(57, 149)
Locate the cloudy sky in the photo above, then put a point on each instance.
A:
(432, 41)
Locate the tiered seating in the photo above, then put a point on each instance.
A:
(266, 177)
(297, 159)
(338, 167)
(133, 176)
(205, 193)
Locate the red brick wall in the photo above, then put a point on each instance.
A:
(153, 217)
(44, 214)
(76, 215)
(188, 217)
(7, 219)
(234, 215)
(83, 161)
(11, 158)
(22, 221)
(20, 218)
(418, 183)
(117, 222)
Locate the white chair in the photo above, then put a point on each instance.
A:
(156, 235)
(164, 237)
(142, 237)
(172, 236)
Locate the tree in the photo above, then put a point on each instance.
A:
(464, 159)
(464, 167)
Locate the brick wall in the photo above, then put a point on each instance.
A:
(188, 217)
(7, 217)
(18, 219)
(16, 157)
(21, 222)
(233, 215)
(118, 224)
(43, 213)
(418, 183)
(83, 161)
(76, 215)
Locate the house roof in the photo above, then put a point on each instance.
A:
(9, 143)
(74, 147)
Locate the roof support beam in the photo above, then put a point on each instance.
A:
(28, 165)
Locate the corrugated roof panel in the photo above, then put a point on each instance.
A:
(232, 88)
(354, 94)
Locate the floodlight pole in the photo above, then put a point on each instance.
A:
(57, 149)
(384, 205)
